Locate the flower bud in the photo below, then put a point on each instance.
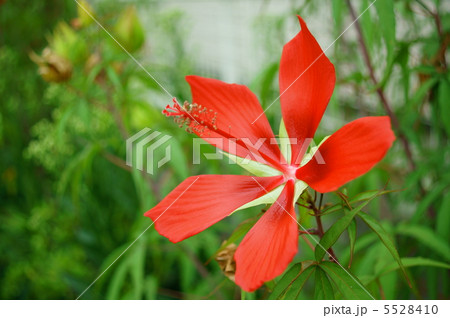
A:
(68, 44)
(226, 261)
(84, 18)
(52, 67)
(129, 31)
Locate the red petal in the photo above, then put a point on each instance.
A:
(270, 245)
(306, 84)
(348, 153)
(236, 108)
(200, 201)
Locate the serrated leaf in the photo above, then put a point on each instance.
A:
(334, 232)
(427, 237)
(348, 285)
(323, 289)
(385, 239)
(290, 285)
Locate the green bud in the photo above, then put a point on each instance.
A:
(129, 31)
(68, 44)
(84, 18)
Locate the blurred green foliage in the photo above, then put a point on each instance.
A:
(70, 205)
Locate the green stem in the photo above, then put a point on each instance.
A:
(320, 230)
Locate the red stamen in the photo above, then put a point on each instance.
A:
(197, 118)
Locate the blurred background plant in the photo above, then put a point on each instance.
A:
(71, 97)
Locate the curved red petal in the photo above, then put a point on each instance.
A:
(270, 245)
(307, 81)
(200, 201)
(348, 153)
(236, 108)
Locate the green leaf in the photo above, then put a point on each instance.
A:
(334, 232)
(296, 287)
(137, 265)
(427, 237)
(386, 16)
(443, 100)
(443, 218)
(323, 288)
(348, 285)
(360, 197)
(385, 239)
(117, 280)
(411, 262)
(434, 194)
(290, 285)
(352, 238)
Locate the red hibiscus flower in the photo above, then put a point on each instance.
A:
(230, 117)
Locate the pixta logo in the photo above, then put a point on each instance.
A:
(149, 148)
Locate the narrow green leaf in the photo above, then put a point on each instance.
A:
(290, 285)
(323, 289)
(352, 238)
(443, 100)
(334, 232)
(443, 218)
(117, 280)
(386, 16)
(348, 285)
(431, 196)
(360, 197)
(137, 269)
(293, 291)
(427, 237)
(411, 262)
(285, 281)
(385, 239)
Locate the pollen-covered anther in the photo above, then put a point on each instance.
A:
(197, 118)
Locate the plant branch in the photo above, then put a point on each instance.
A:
(386, 105)
(320, 231)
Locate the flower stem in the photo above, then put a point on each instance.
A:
(320, 231)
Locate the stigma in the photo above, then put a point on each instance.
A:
(196, 118)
